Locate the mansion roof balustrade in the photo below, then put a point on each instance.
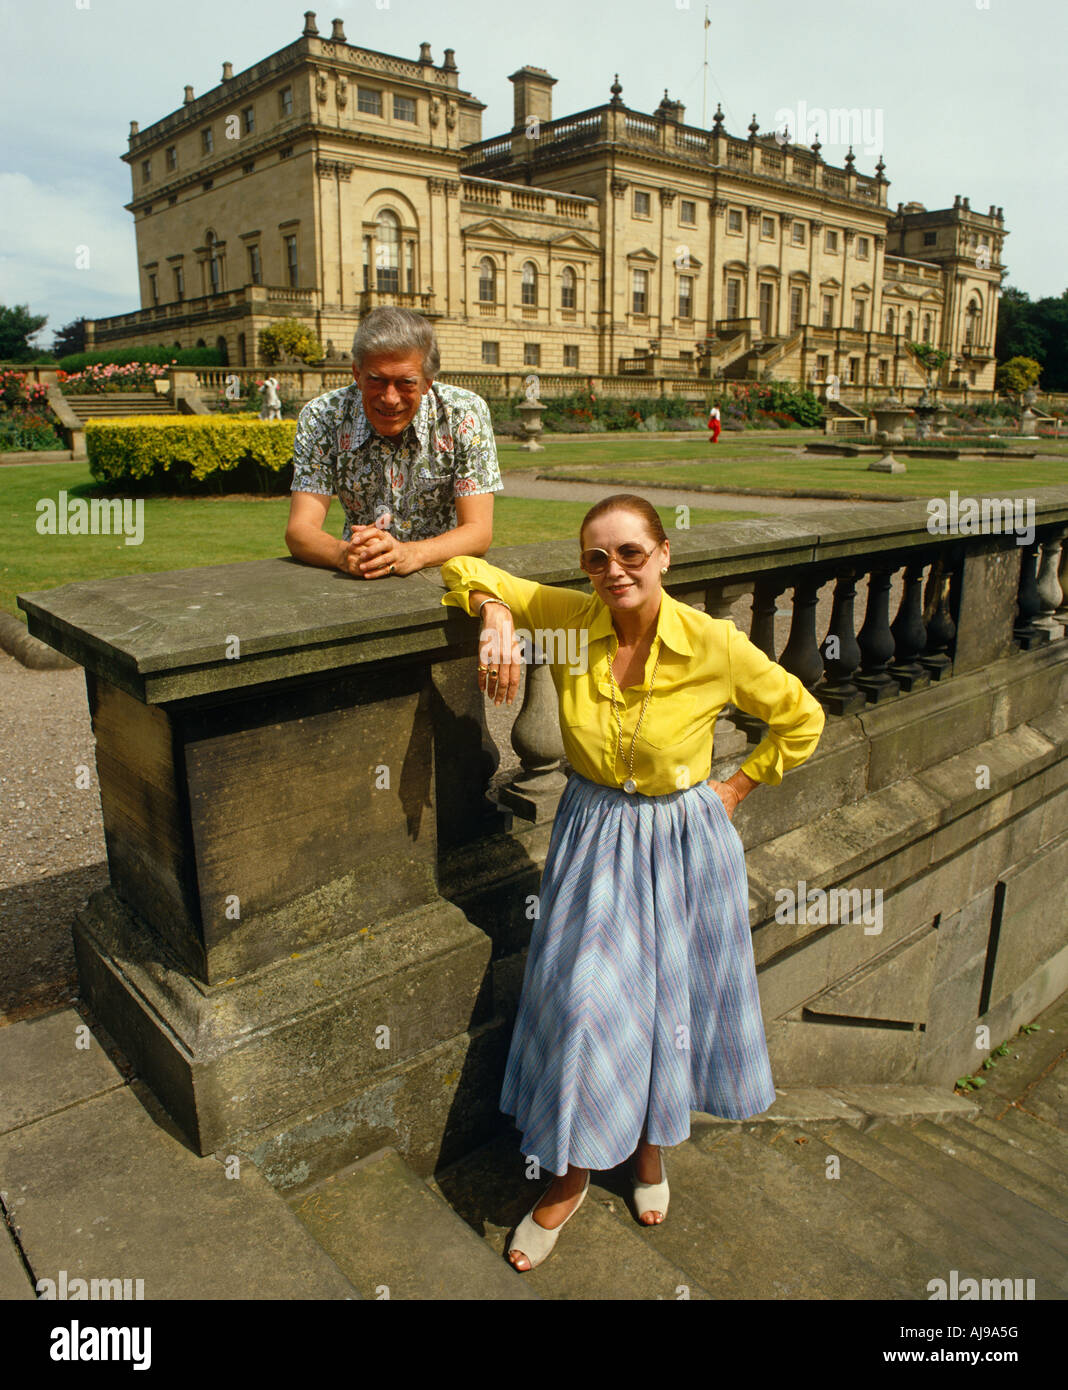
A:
(516, 197)
(548, 142)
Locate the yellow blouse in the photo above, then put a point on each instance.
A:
(705, 663)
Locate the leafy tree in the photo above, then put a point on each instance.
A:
(70, 338)
(292, 337)
(1017, 375)
(17, 327)
(930, 358)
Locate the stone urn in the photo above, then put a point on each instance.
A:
(890, 416)
(531, 410)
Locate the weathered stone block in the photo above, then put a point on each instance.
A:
(989, 584)
(238, 1057)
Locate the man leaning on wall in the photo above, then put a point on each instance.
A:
(413, 461)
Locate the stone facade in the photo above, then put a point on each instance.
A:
(328, 179)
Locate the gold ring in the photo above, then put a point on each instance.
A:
(494, 674)
(482, 669)
(392, 568)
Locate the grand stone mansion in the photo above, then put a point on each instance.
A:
(611, 243)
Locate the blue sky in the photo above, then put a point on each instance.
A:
(963, 96)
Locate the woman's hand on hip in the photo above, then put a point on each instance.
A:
(728, 795)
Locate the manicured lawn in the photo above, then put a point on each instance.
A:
(183, 532)
(744, 461)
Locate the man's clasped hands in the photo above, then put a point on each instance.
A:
(373, 552)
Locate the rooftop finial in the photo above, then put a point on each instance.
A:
(338, 34)
(311, 29)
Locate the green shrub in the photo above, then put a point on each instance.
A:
(295, 337)
(195, 453)
(158, 355)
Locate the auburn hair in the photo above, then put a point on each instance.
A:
(627, 502)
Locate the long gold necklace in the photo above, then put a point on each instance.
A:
(630, 785)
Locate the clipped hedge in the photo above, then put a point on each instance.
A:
(159, 355)
(193, 454)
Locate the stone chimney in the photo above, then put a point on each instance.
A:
(188, 97)
(134, 128)
(228, 72)
(338, 34)
(449, 65)
(424, 53)
(311, 29)
(533, 95)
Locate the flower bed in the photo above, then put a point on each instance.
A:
(98, 378)
(26, 423)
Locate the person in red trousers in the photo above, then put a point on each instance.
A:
(713, 424)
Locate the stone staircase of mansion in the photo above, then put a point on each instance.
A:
(835, 1193)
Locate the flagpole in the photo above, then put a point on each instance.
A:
(704, 80)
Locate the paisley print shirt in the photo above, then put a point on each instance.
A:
(447, 451)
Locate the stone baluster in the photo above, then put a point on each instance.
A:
(940, 626)
(1049, 584)
(875, 639)
(801, 655)
(728, 737)
(766, 591)
(841, 652)
(1061, 615)
(534, 793)
(910, 635)
(1026, 631)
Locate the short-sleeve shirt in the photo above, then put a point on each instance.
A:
(447, 451)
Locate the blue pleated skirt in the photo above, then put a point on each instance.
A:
(640, 994)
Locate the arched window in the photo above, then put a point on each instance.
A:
(567, 288)
(487, 281)
(223, 350)
(530, 283)
(387, 252)
(927, 322)
(908, 325)
(889, 321)
(971, 328)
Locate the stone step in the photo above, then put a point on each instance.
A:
(991, 1153)
(831, 1213)
(603, 1253)
(107, 1189)
(721, 1222)
(1042, 1162)
(14, 1280)
(860, 1106)
(902, 1222)
(394, 1237)
(1031, 1242)
(1048, 1141)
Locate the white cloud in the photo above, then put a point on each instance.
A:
(43, 227)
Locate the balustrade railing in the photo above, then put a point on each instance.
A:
(882, 659)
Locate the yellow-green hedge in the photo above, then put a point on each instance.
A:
(193, 453)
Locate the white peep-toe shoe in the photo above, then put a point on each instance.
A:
(534, 1241)
(651, 1196)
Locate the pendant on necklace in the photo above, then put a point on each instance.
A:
(630, 785)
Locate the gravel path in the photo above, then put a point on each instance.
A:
(524, 485)
(51, 832)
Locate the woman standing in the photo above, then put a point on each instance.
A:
(639, 1001)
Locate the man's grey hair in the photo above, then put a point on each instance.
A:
(397, 331)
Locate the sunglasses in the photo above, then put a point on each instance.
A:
(630, 556)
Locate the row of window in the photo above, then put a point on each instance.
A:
(642, 205)
(491, 355)
(213, 280)
(239, 124)
(798, 234)
(487, 284)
